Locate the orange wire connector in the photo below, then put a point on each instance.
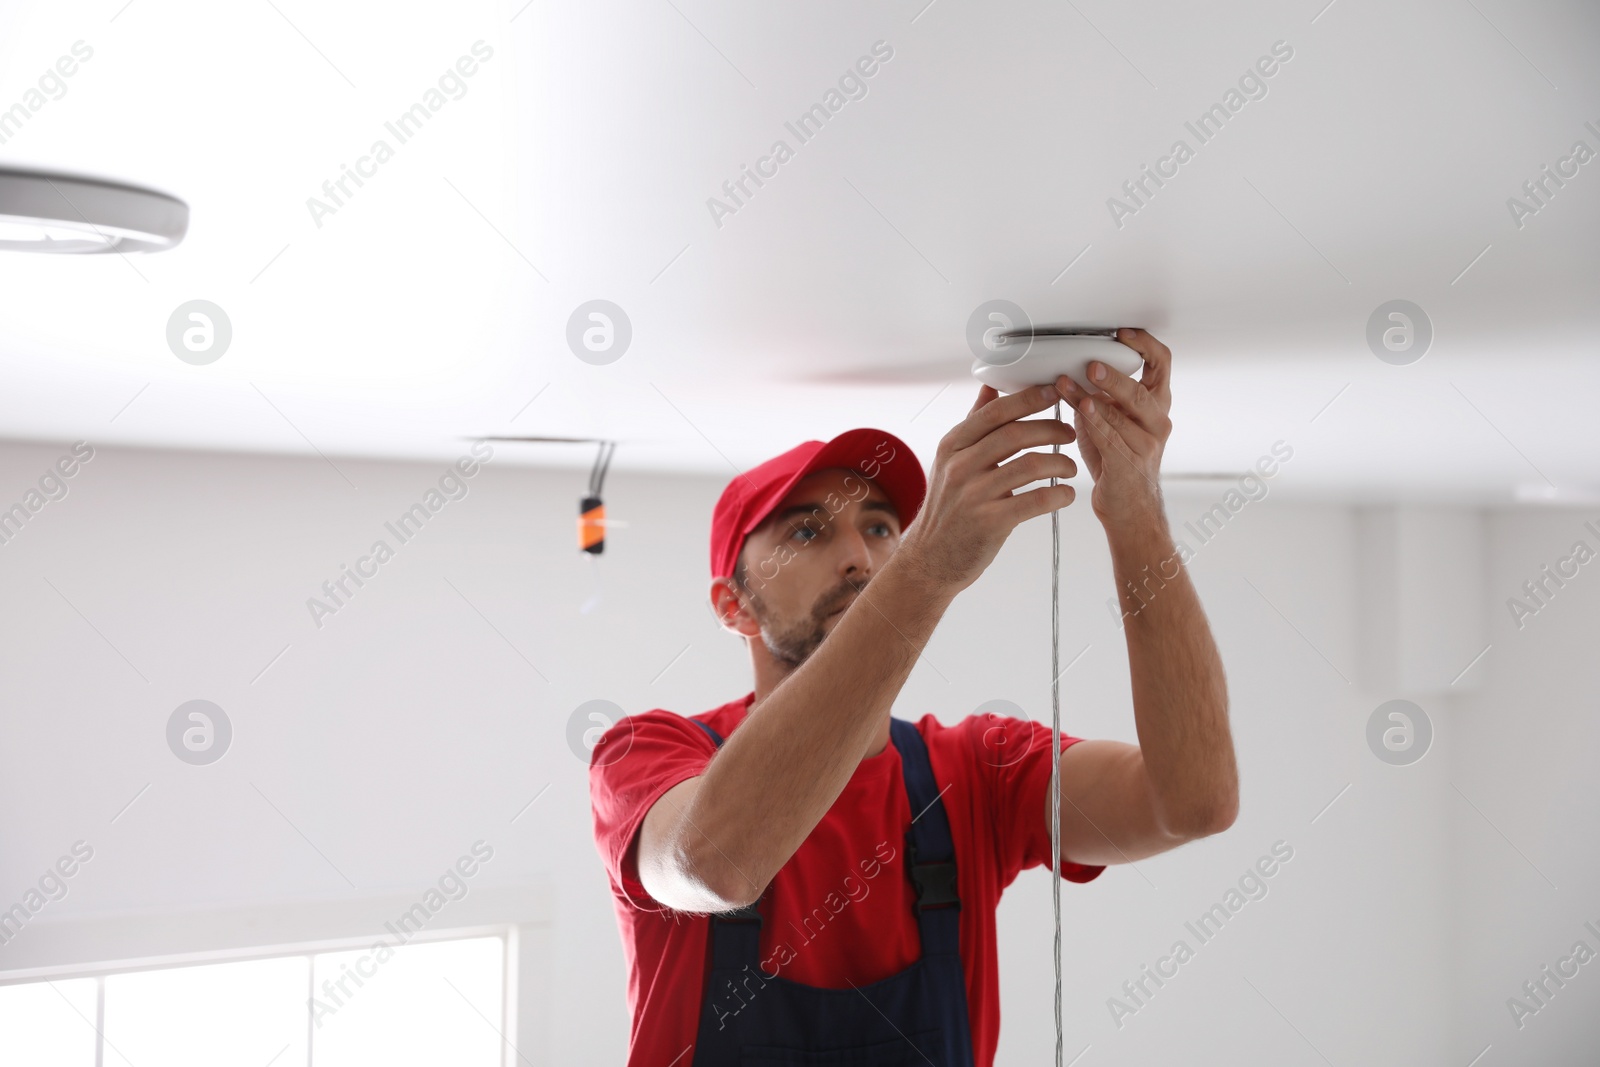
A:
(591, 525)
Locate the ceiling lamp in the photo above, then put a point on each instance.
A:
(56, 213)
(1039, 355)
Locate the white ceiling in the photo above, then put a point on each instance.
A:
(433, 305)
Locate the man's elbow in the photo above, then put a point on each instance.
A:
(720, 883)
(684, 879)
(1195, 820)
(730, 894)
(1221, 815)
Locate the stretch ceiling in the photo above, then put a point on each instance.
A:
(399, 208)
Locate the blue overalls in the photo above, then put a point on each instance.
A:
(914, 1018)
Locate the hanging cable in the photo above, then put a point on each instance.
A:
(602, 463)
(1055, 737)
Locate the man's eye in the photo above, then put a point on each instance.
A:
(883, 526)
(803, 530)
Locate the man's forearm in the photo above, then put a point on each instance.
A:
(1180, 698)
(781, 771)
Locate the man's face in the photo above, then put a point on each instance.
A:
(813, 555)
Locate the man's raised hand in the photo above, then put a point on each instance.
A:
(1123, 430)
(971, 506)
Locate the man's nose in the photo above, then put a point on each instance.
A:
(856, 556)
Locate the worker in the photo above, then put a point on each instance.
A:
(801, 878)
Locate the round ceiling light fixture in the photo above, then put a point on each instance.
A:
(1039, 355)
(59, 213)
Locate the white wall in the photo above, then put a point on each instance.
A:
(426, 713)
(1526, 861)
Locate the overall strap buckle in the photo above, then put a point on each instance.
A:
(935, 883)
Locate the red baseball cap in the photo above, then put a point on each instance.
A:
(749, 499)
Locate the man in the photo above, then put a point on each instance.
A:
(801, 879)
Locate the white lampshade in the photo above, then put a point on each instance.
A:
(56, 213)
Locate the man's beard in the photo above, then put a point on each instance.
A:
(791, 644)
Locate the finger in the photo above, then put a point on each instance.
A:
(1088, 450)
(1117, 436)
(986, 393)
(1157, 373)
(1112, 429)
(1135, 400)
(1013, 437)
(1027, 468)
(1035, 502)
(1069, 391)
(1088, 447)
(997, 412)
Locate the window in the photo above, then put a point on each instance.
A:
(417, 1005)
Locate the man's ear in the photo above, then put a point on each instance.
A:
(732, 610)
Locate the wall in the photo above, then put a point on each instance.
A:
(429, 710)
(1525, 865)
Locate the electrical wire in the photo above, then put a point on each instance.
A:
(1055, 737)
(602, 464)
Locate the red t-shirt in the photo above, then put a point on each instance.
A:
(840, 911)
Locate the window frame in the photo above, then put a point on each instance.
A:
(507, 933)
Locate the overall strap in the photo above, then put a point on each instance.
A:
(930, 852)
(931, 865)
